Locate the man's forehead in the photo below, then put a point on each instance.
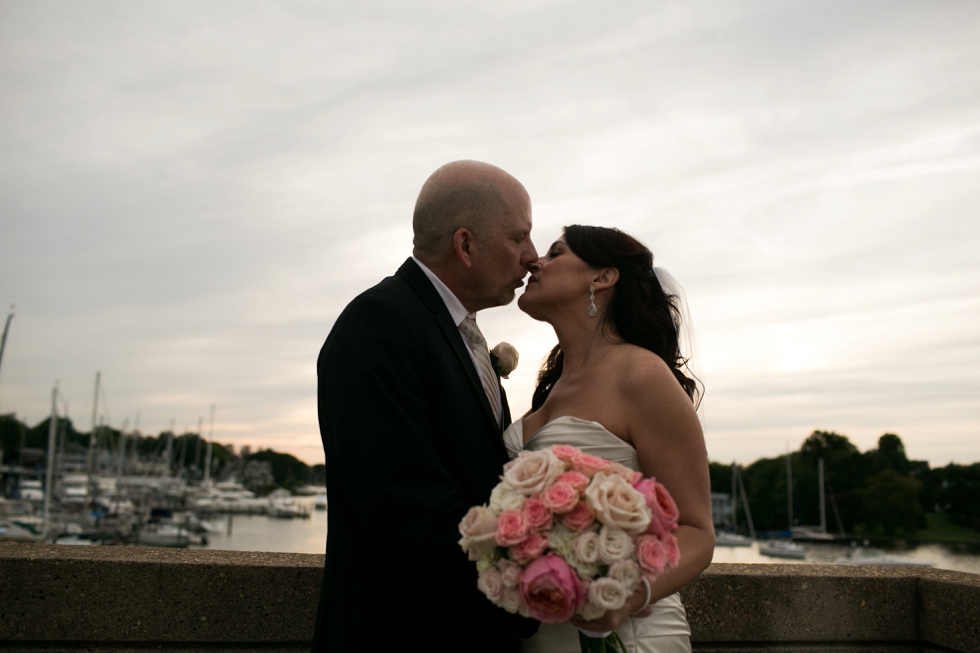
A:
(517, 221)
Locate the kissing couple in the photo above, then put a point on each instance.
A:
(416, 427)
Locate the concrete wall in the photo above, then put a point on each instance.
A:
(113, 599)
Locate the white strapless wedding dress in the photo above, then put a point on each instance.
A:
(666, 630)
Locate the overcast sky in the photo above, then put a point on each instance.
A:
(190, 193)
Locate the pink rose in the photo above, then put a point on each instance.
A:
(668, 506)
(579, 518)
(511, 528)
(564, 452)
(637, 477)
(577, 480)
(621, 470)
(529, 549)
(663, 510)
(673, 551)
(537, 513)
(651, 555)
(560, 497)
(588, 464)
(551, 590)
(478, 528)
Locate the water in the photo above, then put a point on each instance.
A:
(951, 557)
(262, 533)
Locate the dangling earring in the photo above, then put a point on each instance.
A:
(592, 309)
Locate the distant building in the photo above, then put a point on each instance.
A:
(258, 473)
(722, 508)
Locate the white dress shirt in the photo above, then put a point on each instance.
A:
(456, 311)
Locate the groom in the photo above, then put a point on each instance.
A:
(411, 415)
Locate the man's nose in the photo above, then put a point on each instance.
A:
(530, 256)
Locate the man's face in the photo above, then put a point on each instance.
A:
(504, 261)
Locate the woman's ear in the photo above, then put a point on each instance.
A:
(605, 278)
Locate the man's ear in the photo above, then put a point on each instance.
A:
(605, 278)
(464, 245)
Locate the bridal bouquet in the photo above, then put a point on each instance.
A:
(569, 534)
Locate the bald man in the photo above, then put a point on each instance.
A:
(411, 416)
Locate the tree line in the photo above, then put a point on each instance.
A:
(26, 446)
(877, 491)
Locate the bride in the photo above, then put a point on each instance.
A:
(614, 387)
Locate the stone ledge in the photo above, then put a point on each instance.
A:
(114, 599)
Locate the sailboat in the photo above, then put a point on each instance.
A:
(786, 548)
(730, 538)
(819, 533)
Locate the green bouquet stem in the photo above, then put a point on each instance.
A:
(613, 643)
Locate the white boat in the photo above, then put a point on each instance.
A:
(31, 491)
(875, 557)
(231, 497)
(724, 538)
(320, 502)
(782, 549)
(282, 506)
(166, 535)
(74, 540)
(21, 529)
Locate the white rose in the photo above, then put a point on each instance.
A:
(510, 600)
(487, 561)
(561, 540)
(584, 569)
(503, 498)
(532, 471)
(589, 610)
(491, 584)
(478, 529)
(507, 356)
(614, 545)
(510, 573)
(615, 503)
(626, 572)
(608, 594)
(586, 547)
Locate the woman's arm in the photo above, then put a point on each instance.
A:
(664, 428)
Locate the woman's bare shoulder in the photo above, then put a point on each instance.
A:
(641, 368)
(650, 393)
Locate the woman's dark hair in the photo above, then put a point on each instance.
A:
(640, 312)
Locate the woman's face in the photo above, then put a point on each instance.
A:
(559, 281)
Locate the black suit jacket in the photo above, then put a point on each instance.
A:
(410, 444)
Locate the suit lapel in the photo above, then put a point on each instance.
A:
(416, 278)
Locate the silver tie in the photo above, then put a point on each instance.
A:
(478, 345)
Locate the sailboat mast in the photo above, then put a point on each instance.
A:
(734, 497)
(197, 446)
(170, 448)
(745, 505)
(6, 329)
(93, 434)
(823, 499)
(49, 477)
(207, 456)
(789, 489)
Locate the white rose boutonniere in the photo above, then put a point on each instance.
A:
(504, 358)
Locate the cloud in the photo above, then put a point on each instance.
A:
(190, 194)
